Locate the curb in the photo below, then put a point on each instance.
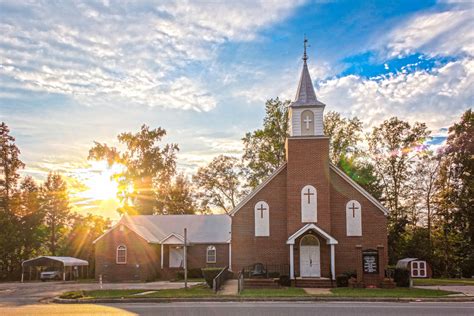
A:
(260, 299)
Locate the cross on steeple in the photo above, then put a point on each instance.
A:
(261, 209)
(308, 194)
(307, 121)
(353, 207)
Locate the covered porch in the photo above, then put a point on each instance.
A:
(312, 255)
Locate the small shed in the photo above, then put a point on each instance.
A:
(66, 265)
(418, 268)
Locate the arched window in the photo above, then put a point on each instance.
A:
(353, 218)
(262, 219)
(211, 254)
(309, 204)
(121, 254)
(307, 122)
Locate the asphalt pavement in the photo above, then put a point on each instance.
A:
(246, 308)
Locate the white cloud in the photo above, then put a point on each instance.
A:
(433, 33)
(134, 53)
(436, 97)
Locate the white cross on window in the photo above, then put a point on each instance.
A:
(307, 120)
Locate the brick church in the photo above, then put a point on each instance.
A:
(308, 217)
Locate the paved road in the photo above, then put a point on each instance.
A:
(247, 308)
(16, 293)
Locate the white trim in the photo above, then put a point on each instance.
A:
(177, 236)
(329, 239)
(333, 262)
(129, 227)
(230, 256)
(117, 254)
(292, 263)
(257, 189)
(162, 255)
(211, 247)
(358, 188)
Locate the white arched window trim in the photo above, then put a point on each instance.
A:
(121, 255)
(309, 204)
(262, 219)
(211, 254)
(353, 218)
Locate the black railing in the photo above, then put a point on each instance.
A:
(268, 271)
(220, 279)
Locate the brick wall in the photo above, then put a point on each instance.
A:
(248, 249)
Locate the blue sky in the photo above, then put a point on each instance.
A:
(78, 71)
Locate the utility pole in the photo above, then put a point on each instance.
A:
(185, 259)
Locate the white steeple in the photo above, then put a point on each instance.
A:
(306, 112)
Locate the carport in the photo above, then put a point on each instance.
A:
(65, 264)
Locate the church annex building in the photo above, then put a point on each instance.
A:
(308, 217)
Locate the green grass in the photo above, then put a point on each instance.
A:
(281, 292)
(397, 292)
(195, 291)
(421, 282)
(190, 280)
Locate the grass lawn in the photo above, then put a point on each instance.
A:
(195, 291)
(281, 292)
(190, 280)
(397, 292)
(422, 282)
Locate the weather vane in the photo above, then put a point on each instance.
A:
(305, 43)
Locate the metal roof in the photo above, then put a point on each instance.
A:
(200, 228)
(305, 95)
(66, 261)
(403, 263)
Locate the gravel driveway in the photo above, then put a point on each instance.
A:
(16, 293)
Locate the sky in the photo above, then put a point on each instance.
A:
(75, 72)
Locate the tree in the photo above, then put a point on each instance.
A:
(392, 148)
(178, 197)
(362, 172)
(55, 205)
(10, 164)
(264, 149)
(83, 231)
(219, 184)
(148, 168)
(345, 134)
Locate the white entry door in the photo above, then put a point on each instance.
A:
(176, 257)
(310, 265)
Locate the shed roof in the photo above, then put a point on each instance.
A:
(47, 260)
(403, 263)
(200, 228)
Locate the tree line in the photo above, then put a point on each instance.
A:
(428, 192)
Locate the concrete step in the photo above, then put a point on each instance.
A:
(260, 284)
(315, 283)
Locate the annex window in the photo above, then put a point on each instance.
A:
(121, 254)
(211, 254)
(418, 269)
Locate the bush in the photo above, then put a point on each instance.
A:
(273, 274)
(350, 274)
(209, 274)
(402, 277)
(342, 280)
(284, 280)
(192, 274)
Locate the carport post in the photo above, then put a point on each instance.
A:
(64, 272)
(22, 272)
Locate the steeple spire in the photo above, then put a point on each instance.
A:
(305, 95)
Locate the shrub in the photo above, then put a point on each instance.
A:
(273, 274)
(350, 274)
(284, 280)
(209, 274)
(342, 280)
(192, 274)
(402, 277)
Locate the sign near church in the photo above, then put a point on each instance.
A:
(370, 261)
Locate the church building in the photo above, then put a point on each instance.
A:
(308, 220)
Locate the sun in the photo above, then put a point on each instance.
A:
(100, 184)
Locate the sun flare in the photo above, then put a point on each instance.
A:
(100, 184)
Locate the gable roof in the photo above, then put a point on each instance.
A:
(329, 239)
(157, 228)
(356, 186)
(257, 189)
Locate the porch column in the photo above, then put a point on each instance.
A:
(292, 264)
(162, 256)
(333, 263)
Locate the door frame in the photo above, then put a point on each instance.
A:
(318, 253)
